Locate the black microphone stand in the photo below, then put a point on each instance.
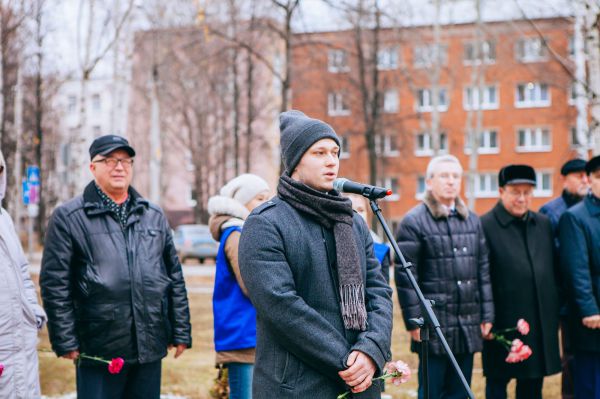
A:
(429, 319)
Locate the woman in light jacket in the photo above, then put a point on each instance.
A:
(234, 315)
(21, 317)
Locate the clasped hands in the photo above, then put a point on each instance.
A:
(359, 374)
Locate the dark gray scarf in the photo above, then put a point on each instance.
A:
(333, 211)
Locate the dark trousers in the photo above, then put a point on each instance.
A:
(443, 381)
(568, 390)
(138, 381)
(586, 375)
(527, 388)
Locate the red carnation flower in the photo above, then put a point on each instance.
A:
(1, 369)
(115, 365)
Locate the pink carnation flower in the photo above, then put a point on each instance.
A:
(523, 326)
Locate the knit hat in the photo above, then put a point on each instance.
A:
(244, 188)
(574, 165)
(298, 134)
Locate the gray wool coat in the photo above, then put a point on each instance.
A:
(302, 343)
(20, 314)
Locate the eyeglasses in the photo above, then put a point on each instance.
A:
(112, 162)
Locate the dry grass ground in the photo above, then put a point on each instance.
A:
(191, 375)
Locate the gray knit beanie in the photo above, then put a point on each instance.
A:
(298, 134)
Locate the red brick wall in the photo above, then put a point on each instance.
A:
(312, 82)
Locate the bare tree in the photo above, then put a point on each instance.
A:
(95, 48)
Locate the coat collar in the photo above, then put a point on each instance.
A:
(592, 204)
(505, 218)
(92, 203)
(438, 210)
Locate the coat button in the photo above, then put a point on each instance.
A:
(459, 282)
(464, 249)
(455, 249)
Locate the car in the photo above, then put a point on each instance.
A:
(195, 241)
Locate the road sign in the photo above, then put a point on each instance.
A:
(25, 192)
(33, 175)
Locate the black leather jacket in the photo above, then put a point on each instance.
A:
(113, 292)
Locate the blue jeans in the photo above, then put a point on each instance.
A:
(443, 381)
(240, 380)
(135, 381)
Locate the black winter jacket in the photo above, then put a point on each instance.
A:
(113, 292)
(450, 259)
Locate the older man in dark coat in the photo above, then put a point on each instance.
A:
(445, 243)
(324, 311)
(579, 234)
(524, 285)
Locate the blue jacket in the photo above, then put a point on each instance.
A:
(579, 234)
(234, 315)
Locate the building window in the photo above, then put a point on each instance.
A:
(486, 144)
(543, 187)
(531, 49)
(72, 104)
(534, 139)
(425, 100)
(336, 105)
(191, 197)
(487, 53)
(387, 58)
(386, 145)
(344, 147)
(337, 61)
(488, 99)
(421, 187)
(96, 103)
(424, 55)
(390, 101)
(533, 95)
(486, 185)
(392, 184)
(424, 144)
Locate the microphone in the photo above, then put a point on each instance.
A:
(371, 192)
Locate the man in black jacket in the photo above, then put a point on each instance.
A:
(523, 282)
(445, 243)
(111, 281)
(324, 311)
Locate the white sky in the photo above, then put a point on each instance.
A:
(314, 15)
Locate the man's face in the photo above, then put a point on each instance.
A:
(112, 178)
(445, 181)
(595, 182)
(516, 198)
(319, 165)
(359, 204)
(576, 183)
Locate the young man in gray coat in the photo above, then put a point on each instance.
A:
(20, 315)
(324, 311)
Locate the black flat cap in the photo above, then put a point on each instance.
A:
(516, 174)
(592, 165)
(108, 143)
(572, 166)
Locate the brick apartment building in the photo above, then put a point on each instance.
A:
(528, 112)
